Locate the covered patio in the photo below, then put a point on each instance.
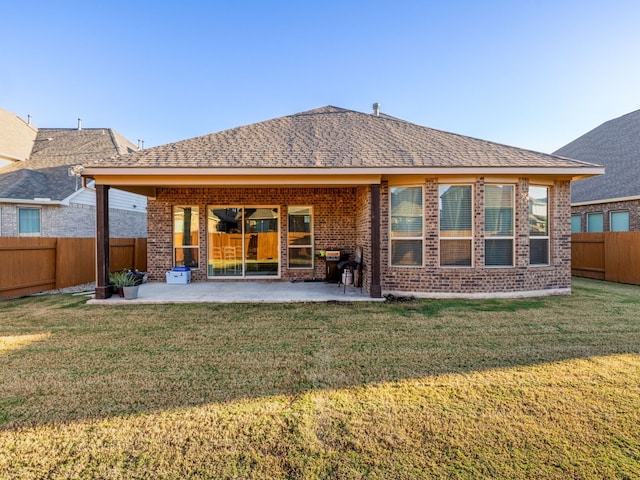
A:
(241, 292)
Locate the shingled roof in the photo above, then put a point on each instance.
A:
(616, 145)
(16, 138)
(332, 137)
(44, 174)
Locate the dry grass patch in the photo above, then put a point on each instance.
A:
(543, 388)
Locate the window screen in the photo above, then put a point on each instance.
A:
(576, 223)
(406, 226)
(595, 222)
(498, 225)
(29, 222)
(619, 221)
(455, 215)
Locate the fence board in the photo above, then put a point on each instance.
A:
(140, 254)
(587, 255)
(612, 256)
(76, 263)
(28, 265)
(622, 257)
(31, 265)
(122, 254)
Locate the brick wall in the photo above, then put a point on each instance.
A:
(363, 232)
(432, 279)
(342, 221)
(633, 206)
(333, 217)
(75, 220)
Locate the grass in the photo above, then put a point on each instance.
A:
(527, 388)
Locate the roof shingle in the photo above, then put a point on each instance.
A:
(45, 173)
(332, 137)
(616, 145)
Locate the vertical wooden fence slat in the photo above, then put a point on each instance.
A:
(76, 262)
(140, 254)
(122, 253)
(622, 257)
(612, 256)
(31, 265)
(587, 255)
(28, 265)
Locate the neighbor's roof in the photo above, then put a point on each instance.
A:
(332, 137)
(45, 173)
(16, 138)
(616, 145)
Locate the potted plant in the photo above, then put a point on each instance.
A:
(130, 289)
(125, 284)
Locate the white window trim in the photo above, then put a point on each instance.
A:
(244, 208)
(392, 238)
(578, 215)
(546, 237)
(191, 247)
(513, 228)
(29, 235)
(289, 247)
(471, 238)
(587, 225)
(622, 210)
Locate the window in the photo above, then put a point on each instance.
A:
(243, 241)
(595, 222)
(300, 237)
(498, 225)
(619, 221)
(455, 209)
(576, 223)
(28, 222)
(186, 239)
(406, 226)
(538, 226)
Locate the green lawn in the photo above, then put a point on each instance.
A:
(529, 388)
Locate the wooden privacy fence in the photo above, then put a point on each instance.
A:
(31, 265)
(612, 256)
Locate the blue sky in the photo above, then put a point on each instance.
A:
(534, 74)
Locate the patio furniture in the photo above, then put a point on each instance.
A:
(230, 259)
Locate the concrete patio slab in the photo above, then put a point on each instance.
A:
(241, 292)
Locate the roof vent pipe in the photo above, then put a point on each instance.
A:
(376, 109)
(79, 124)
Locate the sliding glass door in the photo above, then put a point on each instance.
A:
(242, 241)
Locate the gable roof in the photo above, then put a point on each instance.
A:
(17, 137)
(616, 145)
(335, 138)
(45, 173)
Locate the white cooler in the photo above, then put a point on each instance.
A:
(179, 277)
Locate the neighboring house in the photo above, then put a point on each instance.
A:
(41, 189)
(436, 214)
(611, 202)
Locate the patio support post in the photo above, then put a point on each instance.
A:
(102, 242)
(376, 289)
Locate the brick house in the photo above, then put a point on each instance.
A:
(435, 213)
(610, 202)
(41, 191)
